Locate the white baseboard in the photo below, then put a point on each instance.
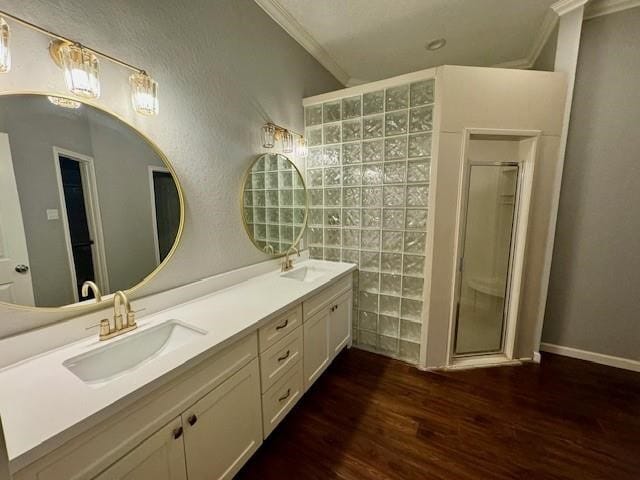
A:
(536, 357)
(611, 361)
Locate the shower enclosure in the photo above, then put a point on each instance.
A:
(425, 181)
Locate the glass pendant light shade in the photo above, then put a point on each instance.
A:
(302, 147)
(144, 94)
(268, 135)
(5, 53)
(81, 70)
(287, 142)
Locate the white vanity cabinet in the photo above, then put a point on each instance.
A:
(327, 327)
(224, 429)
(160, 457)
(210, 441)
(203, 425)
(209, 419)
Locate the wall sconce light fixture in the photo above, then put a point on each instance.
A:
(80, 66)
(290, 141)
(82, 69)
(144, 94)
(5, 52)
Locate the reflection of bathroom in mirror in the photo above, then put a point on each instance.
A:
(274, 200)
(84, 198)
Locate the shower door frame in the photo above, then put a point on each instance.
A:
(525, 163)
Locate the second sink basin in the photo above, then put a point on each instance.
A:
(117, 357)
(305, 273)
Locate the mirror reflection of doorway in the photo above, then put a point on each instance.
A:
(80, 235)
(165, 210)
(486, 259)
(82, 222)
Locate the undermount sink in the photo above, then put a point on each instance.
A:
(305, 273)
(120, 356)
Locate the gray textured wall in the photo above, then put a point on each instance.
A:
(224, 67)
(594, 300)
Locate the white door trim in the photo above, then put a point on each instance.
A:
(154, 220)
(526, 163)
(90, 190)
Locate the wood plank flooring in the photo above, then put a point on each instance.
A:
(370, 417)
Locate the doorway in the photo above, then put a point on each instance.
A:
(495, 193)
(81, 221)
(165, 211)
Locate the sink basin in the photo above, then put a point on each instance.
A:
(119, 356)
(305, 273)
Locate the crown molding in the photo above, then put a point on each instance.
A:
(597, 8)
(563, 7)
(283, 18)
(544, 32)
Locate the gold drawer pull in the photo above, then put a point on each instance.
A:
(285, 396)
(280, 327)
(285, 356)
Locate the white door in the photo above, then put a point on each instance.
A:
(160, 457)
(316, 346)
(224, 429)
(15, 276)
(340, 324)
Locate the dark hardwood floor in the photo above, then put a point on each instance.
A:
(370, 417)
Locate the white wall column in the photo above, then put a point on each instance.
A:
(4, 460)
(571, 13)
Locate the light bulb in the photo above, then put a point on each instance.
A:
(144, 94)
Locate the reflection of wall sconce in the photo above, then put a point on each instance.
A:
(64, 102)
(82, 69)
(5, 53)
(290, 141)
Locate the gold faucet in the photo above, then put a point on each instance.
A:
(89, 285)
(120, 325)
(288, 263)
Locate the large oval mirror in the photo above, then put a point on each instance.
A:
(83, 198)
(274, 200)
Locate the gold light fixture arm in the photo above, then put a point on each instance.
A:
(59, 40)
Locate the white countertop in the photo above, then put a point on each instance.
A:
(42, 403)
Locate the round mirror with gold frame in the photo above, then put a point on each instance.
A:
(274, 204)
(88, 204)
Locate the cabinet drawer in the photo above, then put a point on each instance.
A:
(280, 327)
(322, 299)
(279, 358)
(281, 398)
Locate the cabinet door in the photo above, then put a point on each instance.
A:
(159, 457)
(224, 428)
(316, 346)
(340, 324)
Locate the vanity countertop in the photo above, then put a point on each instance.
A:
(42, 404)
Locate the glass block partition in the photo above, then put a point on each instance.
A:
(368, 184)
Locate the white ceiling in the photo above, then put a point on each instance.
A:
(366, 40)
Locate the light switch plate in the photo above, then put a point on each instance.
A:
(53, 214)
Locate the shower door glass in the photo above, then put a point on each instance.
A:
(484, 278)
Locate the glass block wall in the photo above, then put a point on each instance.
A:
(368, 183)
(274, 203)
